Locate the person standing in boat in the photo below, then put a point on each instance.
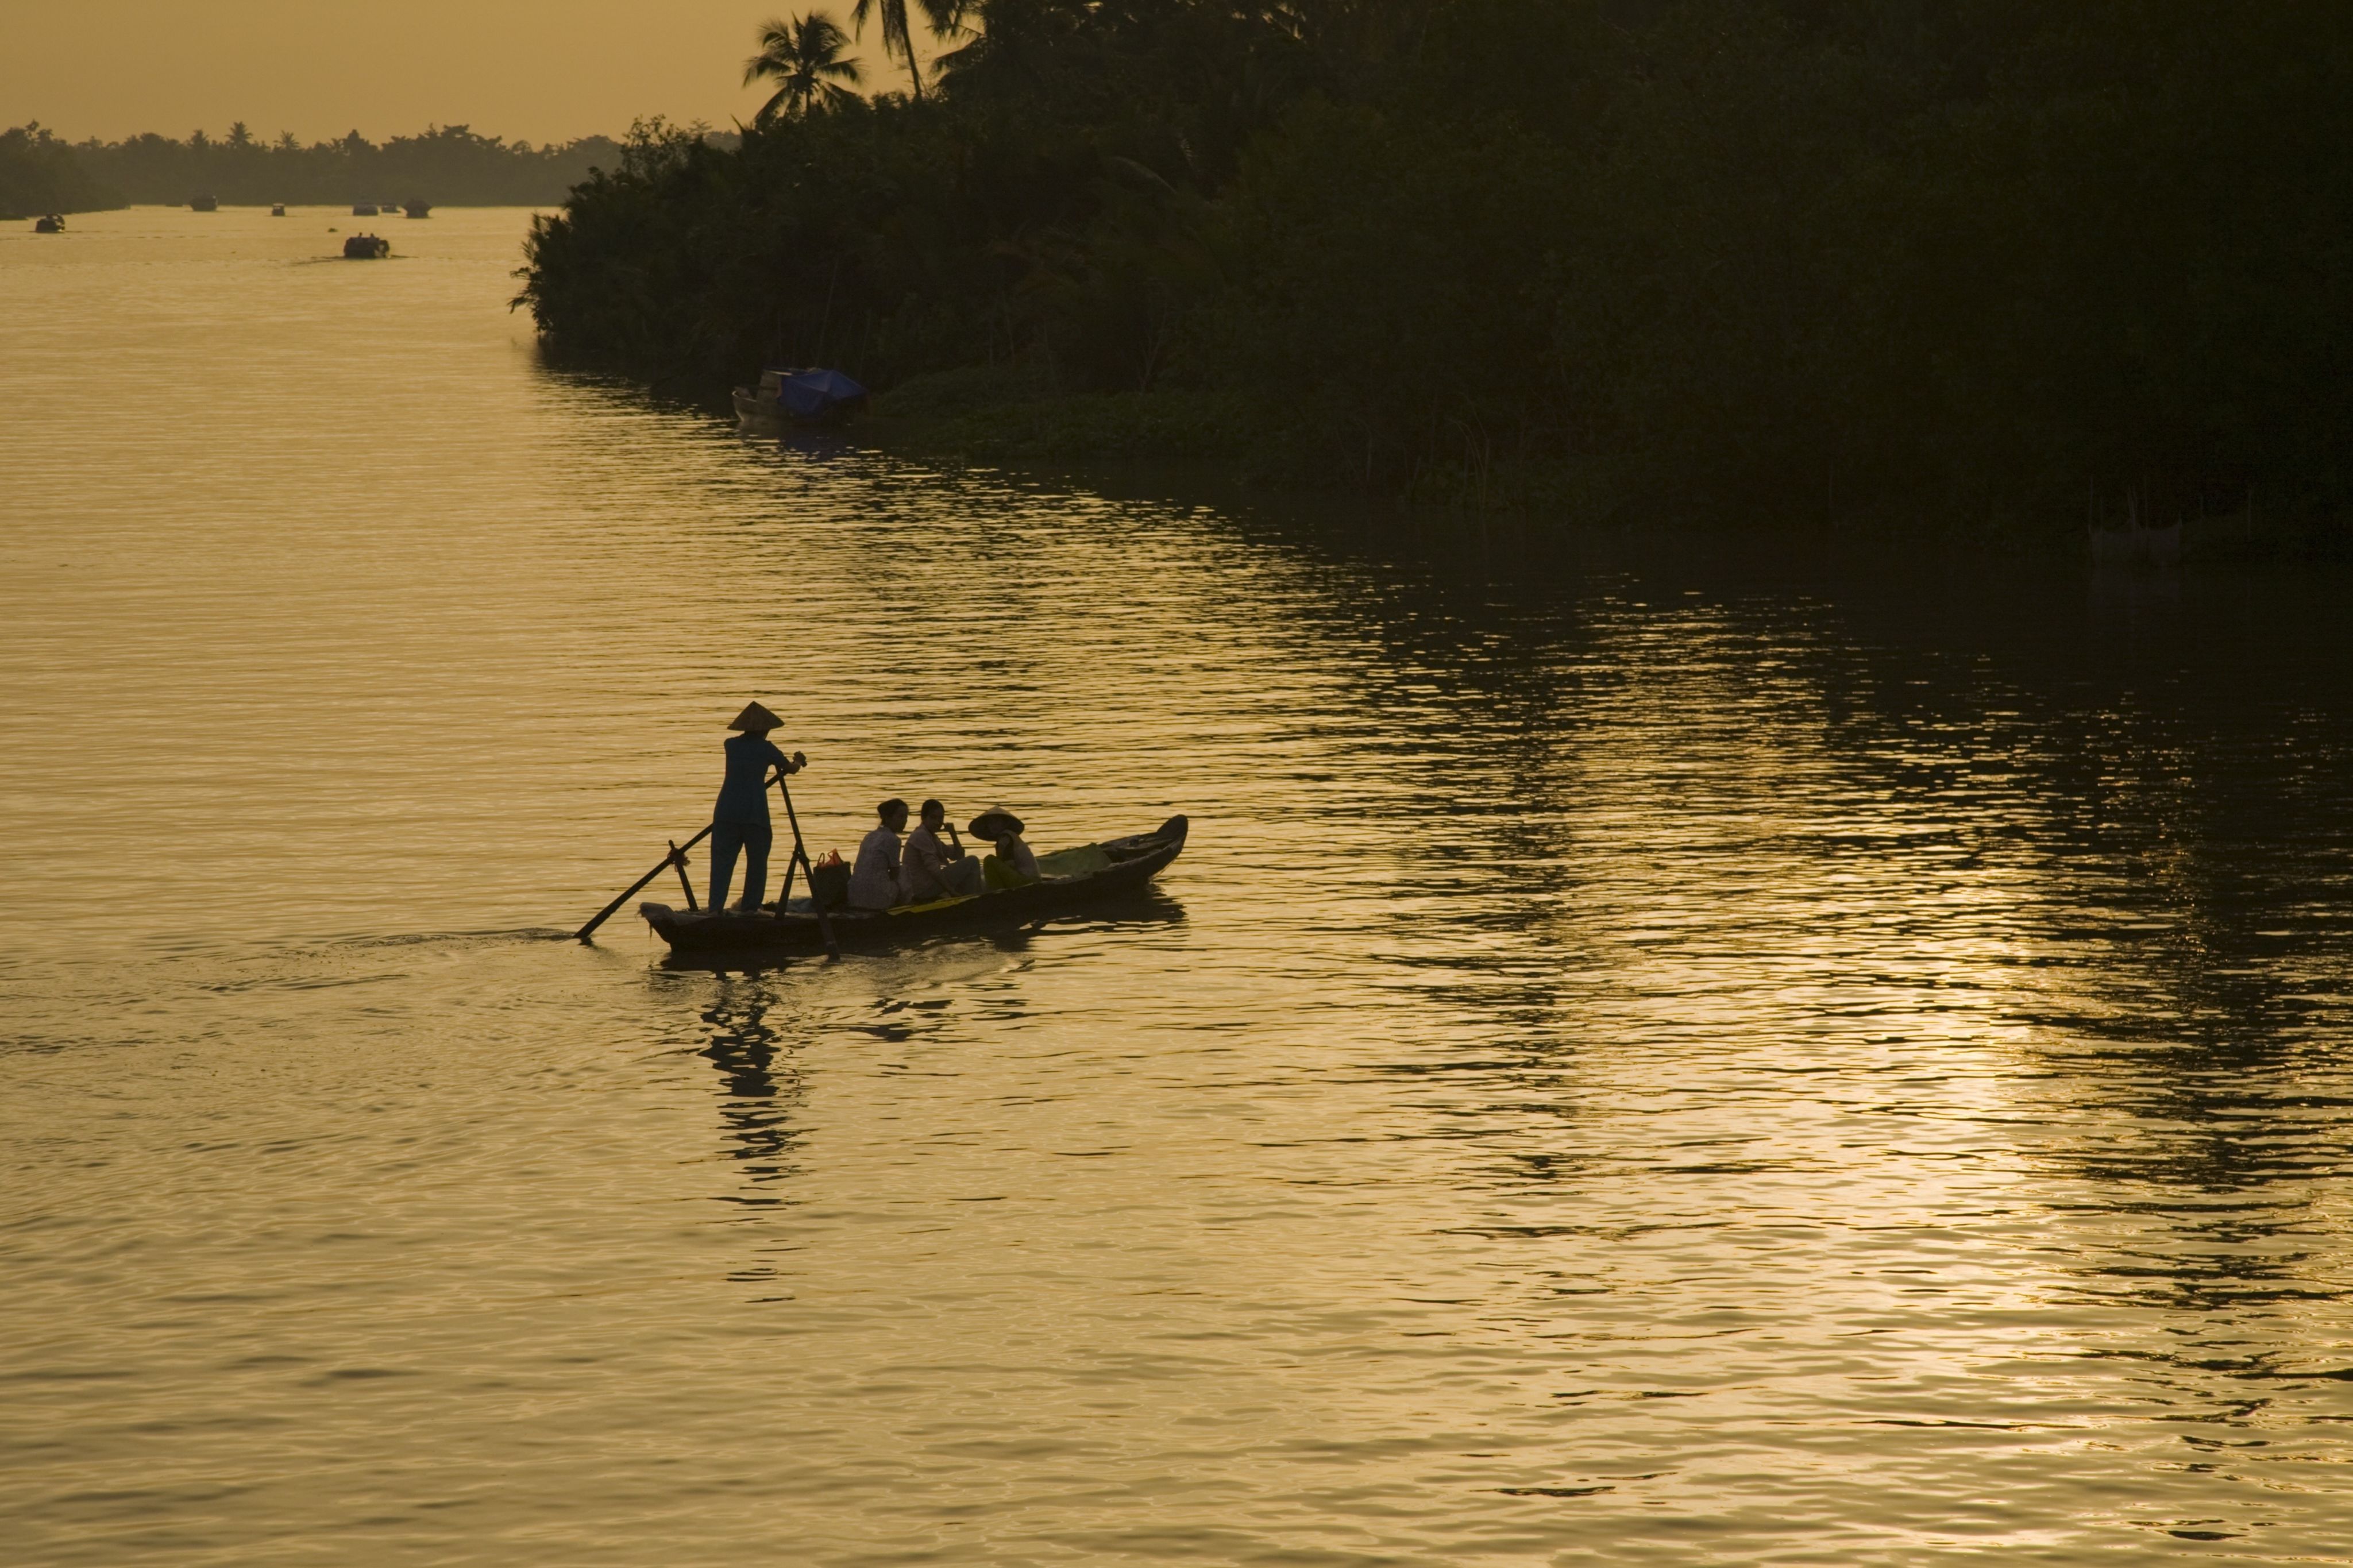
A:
(739, 821)
(874, 880)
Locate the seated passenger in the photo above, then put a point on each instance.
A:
(875, 882)
(1013, 865)
(933, 869)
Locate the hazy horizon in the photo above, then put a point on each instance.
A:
(113, 68)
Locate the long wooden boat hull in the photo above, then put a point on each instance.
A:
(759, 415)
(761, 412)
(1133, 862)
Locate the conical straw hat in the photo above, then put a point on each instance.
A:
(757, 719)
(994, 823)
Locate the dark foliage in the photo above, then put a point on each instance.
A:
(1809, 255)
(40, 175)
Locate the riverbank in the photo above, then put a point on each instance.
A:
(1771, 260)
(1014, 418)
(39, 175)
(983, 417)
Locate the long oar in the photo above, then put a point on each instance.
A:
(677, 857)
(800, 855)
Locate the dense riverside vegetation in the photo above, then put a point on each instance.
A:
(1837, 256)
(446, 164)
(39, 173)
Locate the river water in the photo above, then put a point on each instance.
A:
(1657, 1053)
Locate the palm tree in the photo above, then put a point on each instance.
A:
(943, 16)
(805, 58)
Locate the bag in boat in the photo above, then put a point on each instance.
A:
(830, 881)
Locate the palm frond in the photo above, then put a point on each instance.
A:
(806, 57)
(945, 18)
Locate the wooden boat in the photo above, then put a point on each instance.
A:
(418, 208)
(364, 209)
(366, 248)
(811, 398)
(1071, 878)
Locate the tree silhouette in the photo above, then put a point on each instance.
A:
(805, 58)
(943, 16)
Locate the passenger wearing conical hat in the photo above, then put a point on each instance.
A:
(739, 821)
(1015, 864)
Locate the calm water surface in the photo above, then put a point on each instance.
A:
(1656, 1055)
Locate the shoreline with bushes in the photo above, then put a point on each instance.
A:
(1957, 259)
(1209, 438)
(40, 175)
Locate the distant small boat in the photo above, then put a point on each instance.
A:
(418, 209)
(366, 248)
(807, 397)
(52, 223)
(278, 209)
(204, 204)
(364, 209)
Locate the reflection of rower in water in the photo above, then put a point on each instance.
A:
(757, 1109)
(739, 820)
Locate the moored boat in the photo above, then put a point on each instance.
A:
(278, 209)
(807, 397)
(204, 204)
(1071, 878)
(364, 209)
(366, 248)
(52, 223)
(418, 208)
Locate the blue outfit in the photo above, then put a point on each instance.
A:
(739, 820)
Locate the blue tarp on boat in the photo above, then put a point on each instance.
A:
(814, 393)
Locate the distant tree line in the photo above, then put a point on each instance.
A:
(446, 165)
(40, 175)
(1992, 257)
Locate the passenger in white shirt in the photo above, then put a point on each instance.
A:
(933, 869)
(875, 881)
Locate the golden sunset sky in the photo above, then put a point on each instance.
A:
(537, 70)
